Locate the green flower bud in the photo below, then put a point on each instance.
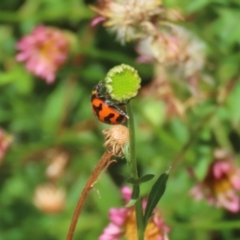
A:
(122, 82)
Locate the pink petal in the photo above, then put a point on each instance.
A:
(230, 201)
(50, 77)
(111, 232)
(21, 57)
(235, 180)
(107, 237)
(197, 192)
(112, 229)
(126, 193)
(97, 20)
(118, 216)
(220, 168)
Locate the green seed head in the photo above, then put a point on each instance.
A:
(122, 83)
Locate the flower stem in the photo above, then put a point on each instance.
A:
(134, 172)
(101, 165)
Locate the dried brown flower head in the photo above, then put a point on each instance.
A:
(57, 165)
(115, 139)
(50, 199)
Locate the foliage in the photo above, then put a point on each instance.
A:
(46, 120)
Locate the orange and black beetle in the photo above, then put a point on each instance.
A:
(106, 110)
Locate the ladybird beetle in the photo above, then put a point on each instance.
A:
(105, 110)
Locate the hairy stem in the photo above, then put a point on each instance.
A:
(102, 165)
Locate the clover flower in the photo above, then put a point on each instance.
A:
(173, 46)
(44, 51)
(221, 183)
(129, 19)
(123, 223)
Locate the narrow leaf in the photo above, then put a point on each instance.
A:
(146, 178)
(131, 203)
(135, 196)
(155, 195)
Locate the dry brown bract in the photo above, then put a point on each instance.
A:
(115, 139)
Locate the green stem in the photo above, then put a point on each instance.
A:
(134, 173)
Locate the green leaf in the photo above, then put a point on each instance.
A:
(54, 109)
(140, 180)
(154, 112)
(19, 77)
(227, 21)
(135, 195)
(131, 203)
(196, 5)
(233, 104)
(146, 178)
(155, 195)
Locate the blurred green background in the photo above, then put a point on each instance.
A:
(46, 120)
